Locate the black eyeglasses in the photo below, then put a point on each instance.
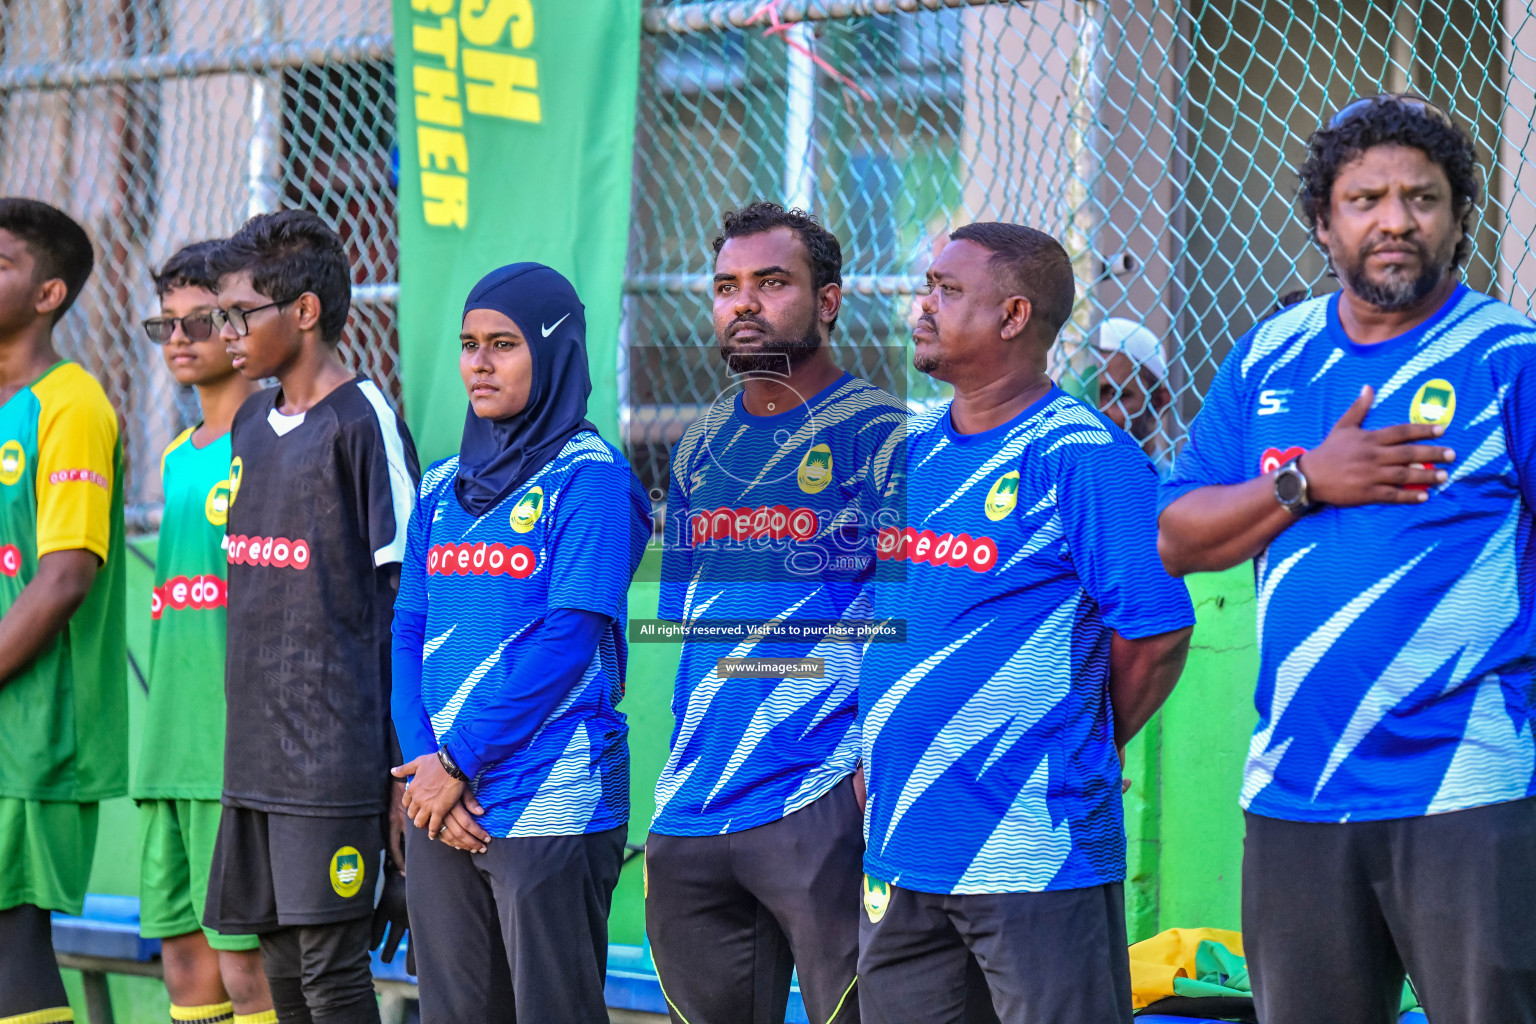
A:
(197, 327)
(239, 319)
(1353, 109)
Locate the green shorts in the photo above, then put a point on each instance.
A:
(176, 837)
(46, 847)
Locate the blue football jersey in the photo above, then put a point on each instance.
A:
(1395, 641)
(988, 739)
(483, 583)
(770, 518)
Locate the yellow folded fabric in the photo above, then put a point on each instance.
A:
(1155, 962)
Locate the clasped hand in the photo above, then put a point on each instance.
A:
(441, 804)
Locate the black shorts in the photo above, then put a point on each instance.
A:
(1057, 956)
(730, 916)
(275, 870)
(1335, 914)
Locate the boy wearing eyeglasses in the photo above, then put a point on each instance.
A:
(211, 977)
(322, 479)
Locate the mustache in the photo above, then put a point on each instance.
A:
(928, 321)
(1396, 245)
(747, 319)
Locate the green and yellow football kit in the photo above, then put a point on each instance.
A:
(181, 764)
(64, 717)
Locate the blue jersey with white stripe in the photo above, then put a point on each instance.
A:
(486, 583)
(1395, 641)
(769, 518)
(988, 740)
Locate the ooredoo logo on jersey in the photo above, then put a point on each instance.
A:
(10, 560)
(766, 522)
(517, 561)
(279, 552)
(197, 592)
(924, 547)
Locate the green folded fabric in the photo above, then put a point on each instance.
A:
(1221, 972)
(1218, 972)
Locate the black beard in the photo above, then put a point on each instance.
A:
(775, 355)
(1398, 292)
(926, 364)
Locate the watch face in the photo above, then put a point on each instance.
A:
(1288, 486)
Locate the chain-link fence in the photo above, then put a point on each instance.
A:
(161, 122)
(1157, 139)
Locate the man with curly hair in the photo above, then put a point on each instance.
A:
(1374, 452)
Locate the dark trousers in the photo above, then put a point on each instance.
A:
(29, 975)
(1334, 913)
(730, 917)
(320, 973)
(518, 933)
(1048, 957)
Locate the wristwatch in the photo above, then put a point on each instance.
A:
(450, 765)
(1291, 489)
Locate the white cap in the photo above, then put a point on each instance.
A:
(1117, 334)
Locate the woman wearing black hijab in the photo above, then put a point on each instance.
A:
(508, 663)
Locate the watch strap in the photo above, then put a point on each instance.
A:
(450, 765)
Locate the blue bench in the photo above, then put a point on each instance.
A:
(106, 941)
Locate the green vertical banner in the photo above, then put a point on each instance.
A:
(516, 129)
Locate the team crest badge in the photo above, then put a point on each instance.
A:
(528, 509)
(877, 897)
(347, 871)
(13, 462)
(1003, 496)
(216, 506)
(236, 468)
(815, 469)
(1435, 403)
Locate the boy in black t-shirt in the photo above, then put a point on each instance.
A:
(321, 486)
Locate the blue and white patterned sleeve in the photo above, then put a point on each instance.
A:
(1108, 506)
(593, 554)
(1214, 452)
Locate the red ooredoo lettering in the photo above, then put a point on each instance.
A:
(279, 552)
(765, 522)
(180, 592)
(517, 561)
(951, 550)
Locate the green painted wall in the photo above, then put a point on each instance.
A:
(1184, 832)
(1205, 729)
(1183, 827)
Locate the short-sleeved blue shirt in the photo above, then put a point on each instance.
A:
(484, 583)
(1396, 641)
(988, 739)
(770, 518)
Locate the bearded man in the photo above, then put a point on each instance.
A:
(1369, 452)
(777, 493)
